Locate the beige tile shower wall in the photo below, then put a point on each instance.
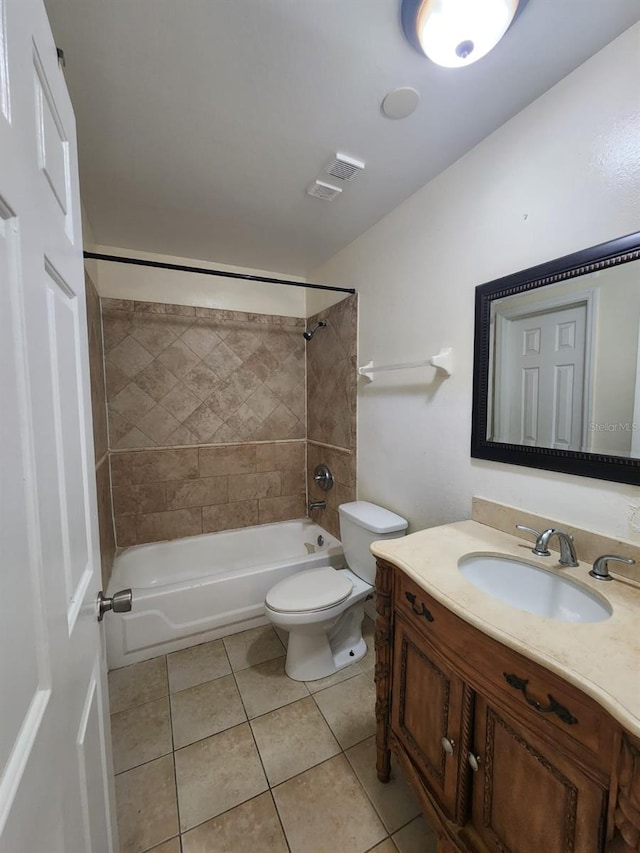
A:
(342, 464)
(105, 520)
(99, 413)
(181, 375)
(331, 376)
(96, 370)
(331, 408)
(171, 493)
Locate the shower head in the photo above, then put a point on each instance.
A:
(311, 332)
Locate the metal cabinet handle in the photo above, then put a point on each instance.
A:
(448, 745)
(419, 611)
(553, 707)
(120, 602)
(474, 761)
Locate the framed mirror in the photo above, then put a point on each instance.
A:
(556, 382)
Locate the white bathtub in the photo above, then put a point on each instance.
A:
(197, 589)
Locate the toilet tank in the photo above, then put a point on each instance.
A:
(362, 523)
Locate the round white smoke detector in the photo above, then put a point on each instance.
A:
(400, 103)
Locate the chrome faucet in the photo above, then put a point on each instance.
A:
(317, 505)
(541, 548)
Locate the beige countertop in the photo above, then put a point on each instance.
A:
(600, 658)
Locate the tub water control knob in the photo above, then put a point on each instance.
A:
(323, 478)
(120, 602)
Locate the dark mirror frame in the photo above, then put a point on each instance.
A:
(615, 468)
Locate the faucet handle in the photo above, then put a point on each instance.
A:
(539, 550)
(600, 568)
(524, 527)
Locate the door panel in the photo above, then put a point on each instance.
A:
(542, 362)
(427, 706)
(528, 796)
(55, 785)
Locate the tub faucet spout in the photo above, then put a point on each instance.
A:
(317, 505)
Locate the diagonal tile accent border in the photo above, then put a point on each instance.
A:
(181, 375)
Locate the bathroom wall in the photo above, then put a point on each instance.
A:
(219, 383)
(167, 494)
(147, 284)
(560, 176)
(100, 438)
(180, 375)
(331, 407)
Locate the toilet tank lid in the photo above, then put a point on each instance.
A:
(372, 517)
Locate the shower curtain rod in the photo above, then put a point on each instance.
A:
(96, 256)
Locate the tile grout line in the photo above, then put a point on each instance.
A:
(390, 834)
(270, 788)
(255, 743)
(173, 753)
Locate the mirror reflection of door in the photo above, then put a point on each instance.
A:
(543, 364)
(635, 426)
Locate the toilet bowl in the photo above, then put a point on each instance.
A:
(322, 609)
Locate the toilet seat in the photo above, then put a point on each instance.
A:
(315, 589)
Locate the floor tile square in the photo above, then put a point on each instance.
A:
(137, 683)
(416, 837)
(387, 846)
(197, 665)
(206, 709)
(253, 827)
(147, 809)
(266, 687)
(252, 647)
(394, 801)
(349, 708)
(337, 677)
(216, 774)
(293, 739)
(325, 810)
(141, 734)
(172, 846)
(284, 636)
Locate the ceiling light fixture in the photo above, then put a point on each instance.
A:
(454, 33)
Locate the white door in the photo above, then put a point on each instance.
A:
(55, 762)
(543, 378)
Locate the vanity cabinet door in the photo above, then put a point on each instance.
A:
(428, 706)
(529, 796)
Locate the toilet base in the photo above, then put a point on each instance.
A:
(314, 655)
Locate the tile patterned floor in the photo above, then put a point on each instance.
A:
(217, 751)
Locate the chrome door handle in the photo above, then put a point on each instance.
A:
(120, 602)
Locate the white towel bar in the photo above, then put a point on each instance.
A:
(443, 361)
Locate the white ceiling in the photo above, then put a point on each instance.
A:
(201, 122)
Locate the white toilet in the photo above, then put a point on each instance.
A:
(322, 609)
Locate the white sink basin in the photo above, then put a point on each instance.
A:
(533, 589)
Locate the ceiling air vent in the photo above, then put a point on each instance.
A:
(320, 189)
(343, 167)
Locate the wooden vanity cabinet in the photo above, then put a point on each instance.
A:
(502, 754)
